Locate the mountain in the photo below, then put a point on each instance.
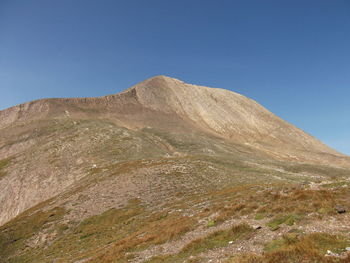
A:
(100, 173)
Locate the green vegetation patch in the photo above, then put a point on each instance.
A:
(283, 219)
(211, 223)
(3, 165)
(335, 184)
(259, 216)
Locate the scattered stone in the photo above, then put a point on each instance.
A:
(340, 209)
(257, 227)
(331, 254)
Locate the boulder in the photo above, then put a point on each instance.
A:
(340, 209)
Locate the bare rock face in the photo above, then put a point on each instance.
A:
(226, 113)
(52, 144)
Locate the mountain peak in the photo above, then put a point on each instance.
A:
(160, 81)
(163, 78)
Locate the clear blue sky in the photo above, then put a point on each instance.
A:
(293, 57)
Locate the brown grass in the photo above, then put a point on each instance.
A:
(309, 248)
(158, 231)
(276, 201)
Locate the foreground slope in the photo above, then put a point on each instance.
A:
(122, 172)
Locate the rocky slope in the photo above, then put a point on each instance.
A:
(160, 142)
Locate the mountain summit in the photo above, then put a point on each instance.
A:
(227, 114)
(78, 175)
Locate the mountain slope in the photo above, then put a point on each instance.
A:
(160, 145)
(225, 113)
